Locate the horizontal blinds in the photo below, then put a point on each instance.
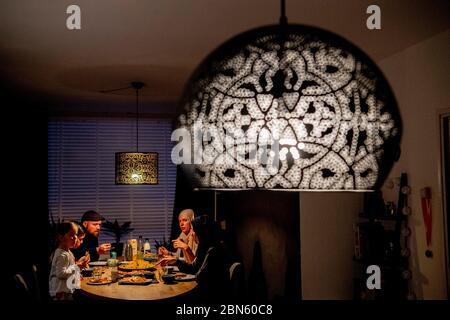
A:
(81, 168)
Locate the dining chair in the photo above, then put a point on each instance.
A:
(237, 280)
(21, 286)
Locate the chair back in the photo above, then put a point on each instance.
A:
(28, 286)
(37, 290)
(237, 281)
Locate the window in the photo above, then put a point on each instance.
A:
(81, 173)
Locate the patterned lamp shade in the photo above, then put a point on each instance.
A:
(289, 107)
(136, 168)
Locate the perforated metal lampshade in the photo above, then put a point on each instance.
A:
(136, 168)
(321, 101)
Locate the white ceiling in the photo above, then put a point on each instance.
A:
(160, 42)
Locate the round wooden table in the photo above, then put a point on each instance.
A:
(153, 291)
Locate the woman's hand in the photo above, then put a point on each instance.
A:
(178, 243)
(162, 251)
(168, 260)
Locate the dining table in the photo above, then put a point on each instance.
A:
(156, 290)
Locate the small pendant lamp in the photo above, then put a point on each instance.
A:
(137, 167)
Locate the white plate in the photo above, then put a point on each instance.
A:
(188, 277)
(99, 283)
(97, 263)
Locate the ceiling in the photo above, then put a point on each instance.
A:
(160, 42)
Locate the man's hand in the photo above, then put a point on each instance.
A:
(178, 243)
(103, 248)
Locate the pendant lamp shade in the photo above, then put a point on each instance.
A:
(289, 107)
(136, 167)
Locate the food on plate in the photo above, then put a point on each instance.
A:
(134, 279)
(141, 273)
(179, 275)
(100, 280)
(136, 265)
(150, 255)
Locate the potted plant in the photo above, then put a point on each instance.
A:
(117, 230)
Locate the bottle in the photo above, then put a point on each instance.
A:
(140, 248)
(147, 246)
(129, 252)
(112, 261)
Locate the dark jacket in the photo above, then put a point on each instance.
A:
(90, 243)
(210, 264)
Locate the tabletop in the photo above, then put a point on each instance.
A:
(153, 291)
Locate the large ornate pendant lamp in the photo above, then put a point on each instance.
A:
(289, 107)
(137, 167)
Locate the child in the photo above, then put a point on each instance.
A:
(63, 262)
(83, 262)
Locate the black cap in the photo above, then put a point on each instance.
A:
(91, 215)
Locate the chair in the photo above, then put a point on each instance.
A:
(37, 291)
(237, 281)
(28, 287)
(22, 288)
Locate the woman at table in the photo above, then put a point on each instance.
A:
(209, 266)
(186, 243)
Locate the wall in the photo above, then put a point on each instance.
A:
(265, 233)
(326, 228)
(419, 77)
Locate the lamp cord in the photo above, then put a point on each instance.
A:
(137, 120)
(283, 18)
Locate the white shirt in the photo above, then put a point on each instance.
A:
(63, 267)
(190, 240)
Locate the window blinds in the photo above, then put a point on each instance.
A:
(81, 172)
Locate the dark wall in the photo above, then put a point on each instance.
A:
(264, 229)
(25, 153)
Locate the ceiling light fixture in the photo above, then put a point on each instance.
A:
(137, 167)
(290, 107)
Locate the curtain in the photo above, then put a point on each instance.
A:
(81, 169)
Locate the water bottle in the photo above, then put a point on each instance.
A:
(147, 247)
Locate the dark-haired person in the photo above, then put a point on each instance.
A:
(210, 264)
(63, 262)
(92, 224)
(83, 262)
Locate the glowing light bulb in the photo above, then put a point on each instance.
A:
(135, 176)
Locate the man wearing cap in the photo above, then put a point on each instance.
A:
(92, 223)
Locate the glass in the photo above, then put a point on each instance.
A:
(114, 274)
(158, 274)
(97, 273)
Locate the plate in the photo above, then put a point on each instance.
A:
(99, 283)
(137, 265)
(97, 263)
(151, 259)
(187, 277)
(129, 281)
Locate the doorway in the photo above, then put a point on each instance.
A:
(444, 129)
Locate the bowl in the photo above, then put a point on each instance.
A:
(149, 274)
(168, 278)
(87, 272)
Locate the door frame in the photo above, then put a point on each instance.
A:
(444, 184)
